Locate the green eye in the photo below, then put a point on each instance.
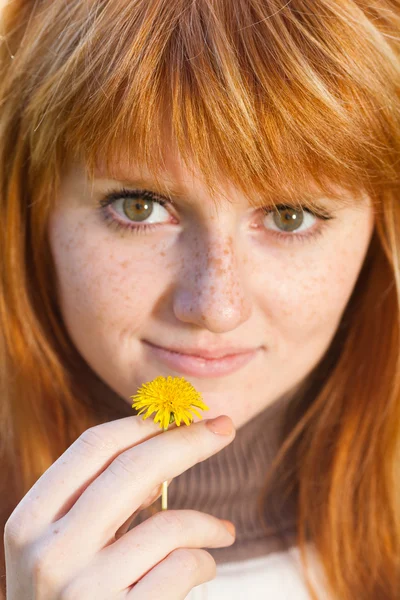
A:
(137, 209)
(287, 218)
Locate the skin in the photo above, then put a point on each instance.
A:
(205, 276)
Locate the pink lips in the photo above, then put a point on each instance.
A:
(201, 367)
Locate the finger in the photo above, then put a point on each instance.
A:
(175, 576)
(58, 488)
(150, 542)
(130, 478)
(152, 498)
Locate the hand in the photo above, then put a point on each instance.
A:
(60, 540)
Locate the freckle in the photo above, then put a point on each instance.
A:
(162, 253)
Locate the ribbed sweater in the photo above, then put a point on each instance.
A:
(228, 485)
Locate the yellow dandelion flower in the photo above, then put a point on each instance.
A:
(171, 398)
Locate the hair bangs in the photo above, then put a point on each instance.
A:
(259, 99)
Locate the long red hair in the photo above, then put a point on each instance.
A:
(271, 96)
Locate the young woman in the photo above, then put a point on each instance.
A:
(182, 181)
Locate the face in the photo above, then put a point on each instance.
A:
(134, 274)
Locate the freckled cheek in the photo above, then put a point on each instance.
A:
(309, 301)
(102, 283)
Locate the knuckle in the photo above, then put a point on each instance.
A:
(209, 563)
(168, 523)
(208, 566)
(127, 464)
(96, 439)
(186, 560)
(13, 533)
(42, 564)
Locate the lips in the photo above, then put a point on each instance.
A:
(200, 366)
(207, 353)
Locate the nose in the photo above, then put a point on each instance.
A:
(211, 292)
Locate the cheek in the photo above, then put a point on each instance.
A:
(99, 283)
(308, 292)
(311, 301)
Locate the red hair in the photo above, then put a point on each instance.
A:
(270, 96)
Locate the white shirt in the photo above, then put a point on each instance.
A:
(277, 576)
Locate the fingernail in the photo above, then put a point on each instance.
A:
(229, 526)
(221, 425)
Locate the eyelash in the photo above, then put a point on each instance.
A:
(114, 195)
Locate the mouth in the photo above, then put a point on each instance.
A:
(200, 366)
